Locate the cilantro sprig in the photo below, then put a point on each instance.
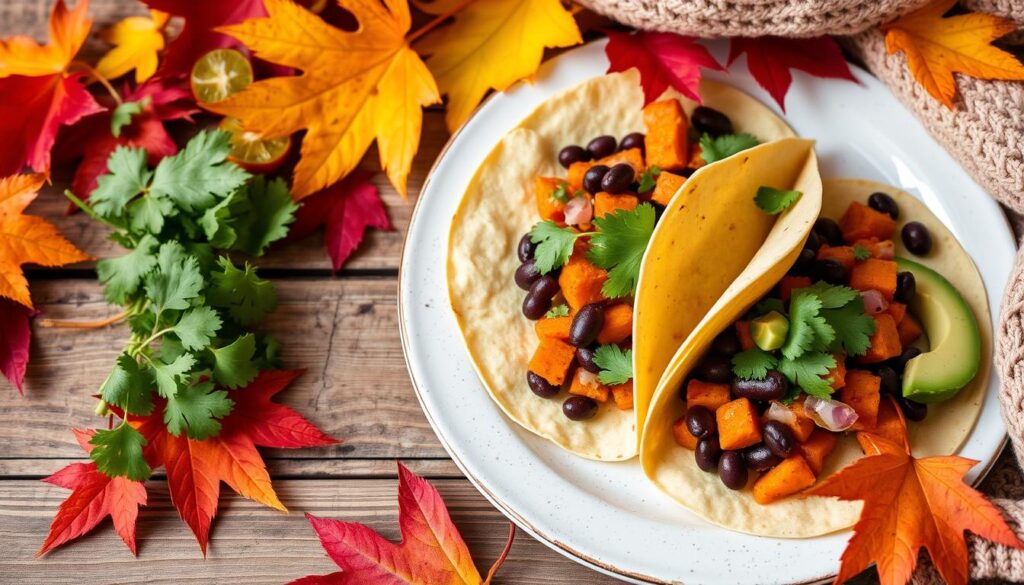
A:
(714, 149)
(774, 201)
(616, 364)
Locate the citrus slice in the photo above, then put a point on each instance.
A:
(251, 151)
(220, 73)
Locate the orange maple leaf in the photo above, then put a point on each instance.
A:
(26, 238)
(910, 503)
(355, 87)
(22, 55)
(938, 47)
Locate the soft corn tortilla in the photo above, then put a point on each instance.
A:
(498, 208)
(673, 469)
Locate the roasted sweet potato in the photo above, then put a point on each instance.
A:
(548, 206)
(817, 447)
(666, 186)
(696, 160)
(743, 333)
(576, 172)
(552, 359)
(842, 254)
(682, 434)
(790, 283)
(885, 342)
(605, 203)
(738, 425)
(898, 311)
(557, 327)
(804, 425)
(581, 281)
(873, 274)
(622, 394)
(706, 394)
(909, 330)
(785, 479)
(633, 157)
(586, 384)
(860, 222)
(883, 250)
(666, 141)
(618, 324)
(838, 373)
(862, 394)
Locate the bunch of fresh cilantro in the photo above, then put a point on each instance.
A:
(190, 309)
(824, 319)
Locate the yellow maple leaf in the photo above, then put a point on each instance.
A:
(22, 55)
(27, 238)
(492, 45)
(938, 47)
(354, 87)
(136, 40)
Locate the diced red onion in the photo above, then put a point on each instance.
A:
(578, 211)
(588, 378)
(874, 302)
(830, 414)
(885, 250)
(780, 412)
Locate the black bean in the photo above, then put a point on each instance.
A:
(538, 299)
(708, 453)
(804, 262)
(601, 146)
(527, 274)
(710, 121)
(916, 238)
(760, 457)
(899, 364)
(633, 140)
(540, 386)
(883, 203)
(890, 381)
(586, 325)
(773, 387)
(914, 411)
(831, 271)
(579, 407)
(585, 357)
(726, 343)
(813, 242)
(829, 230)
(618, 179)
(778, 438)
(526, 248)
(906, 287)
(716, 369)
(701, 422)
(592, 178)
(573, 154)
(732, 470)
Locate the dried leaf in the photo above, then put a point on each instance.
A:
(136, 40)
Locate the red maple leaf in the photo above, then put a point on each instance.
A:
(663, 60)
(199, 36)
(94, 496)
(15, 335)
(432, 550)
(770, 59)
(345, 209)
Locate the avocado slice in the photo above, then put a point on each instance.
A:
(769, 330)
(952, 329)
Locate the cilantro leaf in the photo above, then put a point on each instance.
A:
(803, 308)
(245, 296)
(148, 214)
(197, 327)
(832, 296)
(724, 146)
(127, 176)
(774, 201)
(852, 326)
(233, 364)
(558, 311)
(118, 452)
(753, 363)
(616, 365)
(171, 377)
(124, 112)
(861, 253)
(619, 247)
(199, 174)
(176, 280)
(648, 179)
(123, 274)
(560, 193)
(264, 210)
(195, 409)
(218, 225)
(808, 371)
(554, 245)
(128, 386)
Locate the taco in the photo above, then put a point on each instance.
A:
(876, 334)
(569, 225)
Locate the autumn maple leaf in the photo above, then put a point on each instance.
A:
(937, 47)
(15, 335)
(663, 60)
(355, 87)
(37, 93)
(431, 552)
(770, 59)
(908, 504)
(94, 496)
(136, 40)
(27, 239)
(346, 210)
(492, 45)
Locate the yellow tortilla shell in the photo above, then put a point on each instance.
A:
(498, 208)
(673, 469)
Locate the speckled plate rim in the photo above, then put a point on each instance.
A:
(986, 441)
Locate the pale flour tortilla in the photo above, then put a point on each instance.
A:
(498, 208)
(673, 469)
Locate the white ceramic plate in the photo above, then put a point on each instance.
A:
(606, 515)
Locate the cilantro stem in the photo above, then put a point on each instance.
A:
(98, 78)
(86, 208)
(153, 338)
(416, 34)
(100, 323)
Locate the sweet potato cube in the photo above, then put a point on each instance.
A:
(666, 141)
(552, 359)
(706, 394)
(586, 384)
(738, 425)
(898, 311)
(909, 330)
(618, 324)
(605, 203)
(790, 283)
(785, 479)
(875, 274)
(804, 425)
(696, 158)
(581, 281)
(682, 434)
(743, 333)
(838, 373)
(862, 394)
(817, 447)
(548, 206)
(576, 172)
(633, 157)
(885, 341)
(841, 254)
(883, 250)
(860, 222)
(666, 186)
(622, 394)
(557, 327)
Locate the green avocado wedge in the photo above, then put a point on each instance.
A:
(952, 329)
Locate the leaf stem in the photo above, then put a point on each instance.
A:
(153, 337)
(85, 207)
(504, 554)
(99, 78)
(416, 34)
(62, 324)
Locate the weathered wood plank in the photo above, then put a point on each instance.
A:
(344, 331)
(251, 543)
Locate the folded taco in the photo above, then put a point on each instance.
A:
(547, 246)
(877, 327)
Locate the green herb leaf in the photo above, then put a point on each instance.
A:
(246, 297)
(861, 253)
(197, 327)
(616, 365)
(808, 372)
(558, 311)
(127, 176)
(832, 296)
(124, 112)
(803, 309)
(173, 376)
(118, 452)
(648, 179)
(853, 328)
(195, 409)
(233, 364)
(264, 210)
(148, 214)
(753, 364)
(199, 175)
(123, 275)
(774, 201)
(176, 280)
(128, 386)
(619, 247)
(561, 194)
(724, 146)
(554, 245)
